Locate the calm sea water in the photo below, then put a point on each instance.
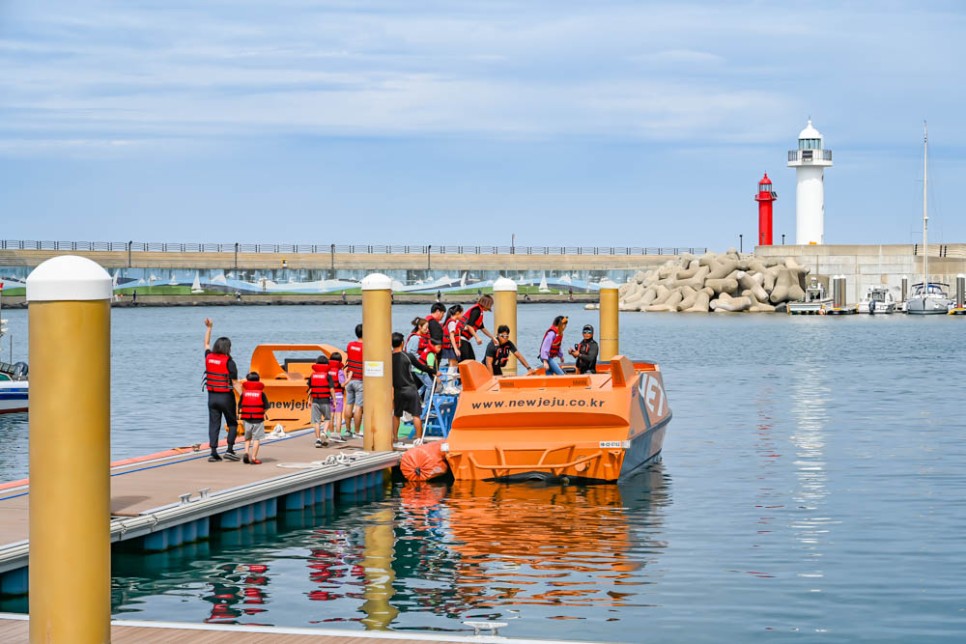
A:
(813, 489)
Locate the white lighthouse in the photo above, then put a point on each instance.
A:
(810, 161)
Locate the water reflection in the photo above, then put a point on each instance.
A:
(14, 437)
(425, 557)
(811, 524)
(492, 549)
(236, 590)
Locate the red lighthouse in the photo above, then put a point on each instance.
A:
(765, 196)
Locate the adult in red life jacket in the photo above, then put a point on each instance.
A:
(320, 393)
(251, 409)
(220, 372)
(418, 338)
(430, 358)
(337, 380)
(353, 385)
(473, 322)
(417, 345)
(551, 354)
(450, 354)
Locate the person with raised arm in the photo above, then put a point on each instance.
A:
(220, 373)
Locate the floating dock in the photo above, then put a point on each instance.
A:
(171, 500)
(814, 307)
(14, 628)
(849, 309)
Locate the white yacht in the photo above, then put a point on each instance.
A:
(933, 299)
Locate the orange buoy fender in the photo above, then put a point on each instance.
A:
(424, 462)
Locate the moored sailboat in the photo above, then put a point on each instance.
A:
(928, 298)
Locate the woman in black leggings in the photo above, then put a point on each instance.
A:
(220, 373)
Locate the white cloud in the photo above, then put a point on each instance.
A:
(681, 71)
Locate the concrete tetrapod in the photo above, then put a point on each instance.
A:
(727, 282)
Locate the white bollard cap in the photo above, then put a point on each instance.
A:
(504, 284)
(69, 278)
(376, 282)
(607, 284)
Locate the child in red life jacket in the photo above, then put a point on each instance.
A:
(251, 410)
(338, 378)
(320, 392)
(450, 354)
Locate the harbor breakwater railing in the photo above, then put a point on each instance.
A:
(333, 249)
(319, 269)
(334, 257)
(158, 264)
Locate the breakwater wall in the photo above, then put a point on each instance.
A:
(290, 270)
(333, 257)
(866, 265)
(777, 274)
(277, 273)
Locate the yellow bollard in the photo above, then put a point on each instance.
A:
(377, 564)
(377, 363)
(609, 321)
(69, 324)
(505, 312)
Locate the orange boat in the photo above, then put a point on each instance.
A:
(598, 427)
(283, 369)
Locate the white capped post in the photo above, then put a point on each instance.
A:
(69, 322)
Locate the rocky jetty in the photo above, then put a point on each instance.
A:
(727, 282)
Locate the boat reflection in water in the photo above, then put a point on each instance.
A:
(422, 557)
(528, 551)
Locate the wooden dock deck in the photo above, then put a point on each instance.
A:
(173, 499)
(15, 629)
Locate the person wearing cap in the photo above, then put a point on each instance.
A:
(586, 352)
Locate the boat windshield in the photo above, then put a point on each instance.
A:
(933, 289)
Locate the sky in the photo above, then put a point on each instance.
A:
(557, 123)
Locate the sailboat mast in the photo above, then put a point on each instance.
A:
(925, 210)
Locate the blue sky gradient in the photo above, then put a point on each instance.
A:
(564, 123)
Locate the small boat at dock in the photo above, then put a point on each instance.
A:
(931, 299)
(598, 427)
(878, 299)
(283, 369)
(816, 302)
(14, 387)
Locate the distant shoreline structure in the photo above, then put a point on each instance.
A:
(226, 299)
(280, 277)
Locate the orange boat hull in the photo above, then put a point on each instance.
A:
(598, 427)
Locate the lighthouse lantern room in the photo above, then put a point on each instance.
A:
(765, 197)
(810, 161)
